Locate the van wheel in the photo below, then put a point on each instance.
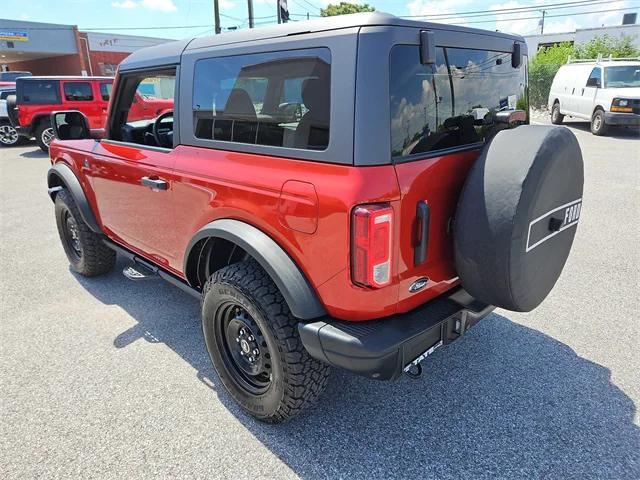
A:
(598, 125)
(44, 135)
(556, 116)
(252, 339)
(87, 253)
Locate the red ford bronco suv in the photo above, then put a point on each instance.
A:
(352, 192)
(37, 97)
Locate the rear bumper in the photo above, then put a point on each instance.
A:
(383, 349)
(612, 118)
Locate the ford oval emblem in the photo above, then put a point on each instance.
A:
(418, 284)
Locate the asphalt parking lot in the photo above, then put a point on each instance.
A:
(105, 378)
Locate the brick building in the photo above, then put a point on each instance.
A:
(53, 49)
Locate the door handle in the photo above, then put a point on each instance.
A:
(420, 249)
(154, 183)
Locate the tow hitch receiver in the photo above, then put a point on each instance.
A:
(414, 369)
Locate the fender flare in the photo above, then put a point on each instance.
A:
(61, 174)
(296, 290)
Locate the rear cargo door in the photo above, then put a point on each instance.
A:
(441, 115)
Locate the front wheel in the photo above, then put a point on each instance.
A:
(44, 135)
(9, 136)
(598, 125)
(556, 116)
(253, 342)
(87, 253)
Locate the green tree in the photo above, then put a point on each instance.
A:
(543, 67)
(607, 45)
(545, 64)
(344, 8)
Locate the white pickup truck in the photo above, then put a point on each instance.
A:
(8, 135)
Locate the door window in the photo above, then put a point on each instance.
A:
(105, 91)
(595, 78)
(278, 99)
(78, 91)
(451, 103)
(144, 110)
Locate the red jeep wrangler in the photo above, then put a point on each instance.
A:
(352, 192)
(37, 97)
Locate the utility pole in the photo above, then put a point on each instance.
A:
(542, 22)
(250, 6)
(278, 10)
(216, 16)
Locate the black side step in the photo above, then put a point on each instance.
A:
(140, 263)
(136, 271)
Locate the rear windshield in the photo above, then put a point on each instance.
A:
(450, 104)
(39, 91)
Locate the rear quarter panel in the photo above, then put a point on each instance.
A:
(213, 184)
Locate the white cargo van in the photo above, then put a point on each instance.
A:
(604, 92)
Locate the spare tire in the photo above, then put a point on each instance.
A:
(517, 216)
(12, 113)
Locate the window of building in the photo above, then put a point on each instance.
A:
(278, 99)
(78, 91)
(452, 103)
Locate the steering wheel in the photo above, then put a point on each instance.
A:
(160, 136)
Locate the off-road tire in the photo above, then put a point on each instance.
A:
(43, 126)
(556, 116)
(95, 257)
(297, 379)
(598, 125)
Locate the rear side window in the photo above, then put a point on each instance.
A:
(5, 93)
(78, 91)
(105, 91)
(452, 103)
(279, 99)
(39, 92)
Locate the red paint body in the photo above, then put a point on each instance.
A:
(95, 110)
(304, 206)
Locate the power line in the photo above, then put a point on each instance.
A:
(577, 3)
(549, 16)
(443, 16)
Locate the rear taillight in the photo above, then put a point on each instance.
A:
(371, 239)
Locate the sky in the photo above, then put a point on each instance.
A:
(197, 15)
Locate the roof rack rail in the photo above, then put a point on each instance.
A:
(600, 58)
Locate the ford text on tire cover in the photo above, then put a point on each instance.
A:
(355, 195)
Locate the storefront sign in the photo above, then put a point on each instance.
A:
(14, 36)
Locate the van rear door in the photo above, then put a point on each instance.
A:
(440, 117)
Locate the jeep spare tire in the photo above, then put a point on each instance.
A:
(517, 216)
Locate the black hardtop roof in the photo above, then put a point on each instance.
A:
(169, 53)
(61, 77)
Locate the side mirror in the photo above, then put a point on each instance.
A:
(427, 47)
(593, 82)
(516, 55)
(70, 125)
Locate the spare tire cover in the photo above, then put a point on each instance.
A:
(517, 216)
